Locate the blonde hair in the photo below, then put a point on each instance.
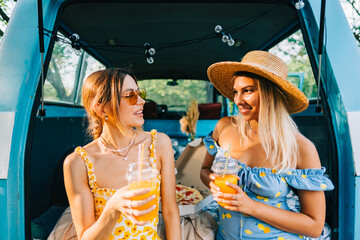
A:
(277, 131)
(104, 87)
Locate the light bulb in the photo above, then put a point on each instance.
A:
(299, 5)
(225, 38)
(78, 52)
(75, 37)
(218, 28)
(231, 42)
(152, 51)
(150, 60)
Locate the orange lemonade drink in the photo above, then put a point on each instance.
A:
(153, 186)
(220, 182)
(144, 176)
(226, 170)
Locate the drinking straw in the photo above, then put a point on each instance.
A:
(226, 163)
(141, 160)
(139, 156)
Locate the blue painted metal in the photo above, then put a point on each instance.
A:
(340, 67)
(19, 78)
(172, 127)
(4, 209)
(357, 207)
(64, 111)
(343, 51)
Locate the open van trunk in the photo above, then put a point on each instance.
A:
(182, 33)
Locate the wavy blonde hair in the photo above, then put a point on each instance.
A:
(277, 131)
(104, 87)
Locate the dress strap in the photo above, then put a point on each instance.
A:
(90, 167)
(152, 148)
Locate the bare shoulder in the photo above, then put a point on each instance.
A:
(304, 143)
(223, 124)
(73, 161)
(309, 157)
(162, 140)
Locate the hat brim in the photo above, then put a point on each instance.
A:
(221, 74)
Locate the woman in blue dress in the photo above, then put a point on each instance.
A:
(273, 156)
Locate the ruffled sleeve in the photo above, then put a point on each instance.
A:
(210, 144)
(309, 179)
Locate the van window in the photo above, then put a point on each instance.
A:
(292, 50)
(67, 70)
(177, 94)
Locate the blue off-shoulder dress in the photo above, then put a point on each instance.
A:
(266, 186)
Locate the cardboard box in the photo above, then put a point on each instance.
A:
(188, 167)
(192, 209)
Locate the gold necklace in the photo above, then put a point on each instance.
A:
(251, 127)
(118, 151)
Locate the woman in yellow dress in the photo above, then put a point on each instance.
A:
(98, 192)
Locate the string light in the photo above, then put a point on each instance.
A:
(218, 29)
(299, 5)
(152, 51)
(231, 41)
(74, 39)
(150, 60)
(149, 52)
(225, 38)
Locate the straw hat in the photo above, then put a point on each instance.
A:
(264, 64)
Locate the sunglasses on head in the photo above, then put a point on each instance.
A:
(133, 95)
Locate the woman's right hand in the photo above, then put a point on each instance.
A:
(121, 201)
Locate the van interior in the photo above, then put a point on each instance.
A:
(168, 45)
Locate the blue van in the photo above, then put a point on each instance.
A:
(168, 45)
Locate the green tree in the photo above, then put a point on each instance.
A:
(354, 17)
(177, 97)
(6, 7)
(61, 66)
(293, 51)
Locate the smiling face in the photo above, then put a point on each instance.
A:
(247, 97)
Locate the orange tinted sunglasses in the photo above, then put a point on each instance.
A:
(133, 95)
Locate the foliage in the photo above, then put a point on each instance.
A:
(66, 72)
(177, 97)
(355, 19)
(5, 11)
(4, 5)
(294, 53)
(61, 66)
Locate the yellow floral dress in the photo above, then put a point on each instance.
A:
(124, 228)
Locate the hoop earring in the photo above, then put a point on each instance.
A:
(106, 118)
